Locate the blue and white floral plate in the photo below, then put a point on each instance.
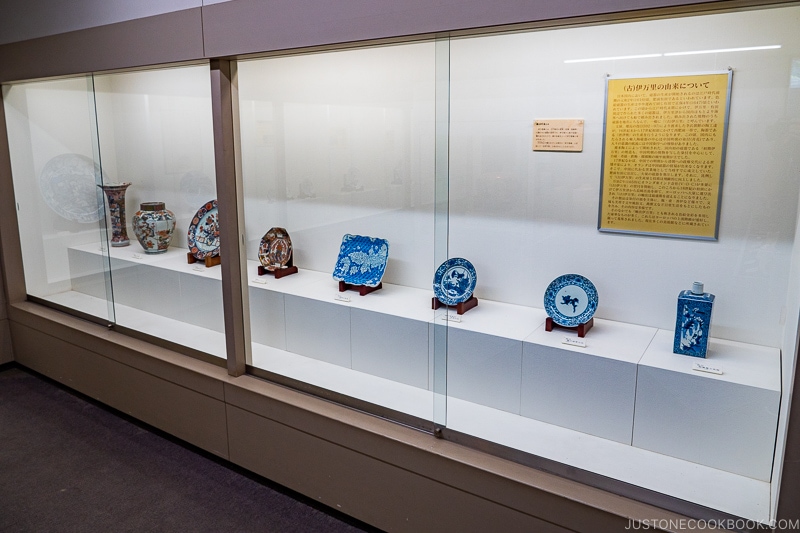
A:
(67, 184)
(203, 235)
(570, 300)
(362, 260)
(454, 281)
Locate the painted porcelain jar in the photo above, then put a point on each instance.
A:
(693, 321)
(115, 195)
(153, 226)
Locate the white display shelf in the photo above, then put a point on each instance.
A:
(590, 388)
(499, 319)
(728, 421)
(717, 489)
(370, 388)
(179, 332)
(508, 380)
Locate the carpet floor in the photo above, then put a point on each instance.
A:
(68, 464)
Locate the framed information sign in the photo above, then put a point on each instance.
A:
(664, 154)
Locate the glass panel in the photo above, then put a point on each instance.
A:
(441, 223)
(155, 133)
(56, 173)
(336, 144)
(622, 405)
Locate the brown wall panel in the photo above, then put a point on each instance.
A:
(245, 26)
(6, 355)
(187, 414)
(170, 366)
(789, 496)
(374, 491)
(171, 37)
(533, 493)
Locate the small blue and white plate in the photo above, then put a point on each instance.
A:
(454, 281)
(362, 260)
(570, 300)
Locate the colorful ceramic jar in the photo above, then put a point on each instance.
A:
(153, 226)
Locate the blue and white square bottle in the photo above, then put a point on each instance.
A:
(693, 321)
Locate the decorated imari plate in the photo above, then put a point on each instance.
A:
(454, 281)
(570, 300)
(275, 249)
(203, 233)
(362, 260)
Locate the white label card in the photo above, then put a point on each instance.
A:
(704, 367)
(260, 281)
(451, 317)
(569, 341)
(342, 297)
(137, 256)
(198, 268)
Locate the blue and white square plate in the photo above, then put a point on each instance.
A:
(362, 260)
(454, 281)
(570, 300)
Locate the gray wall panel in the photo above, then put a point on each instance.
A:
(243, 26)
(361, 486)
(167, 38)
(183, 412)
(30, 19)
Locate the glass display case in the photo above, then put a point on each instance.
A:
(372, 177)
(345, 142)
(75, 143)
(623, 405)
(337, 144)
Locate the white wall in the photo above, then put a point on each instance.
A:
(341, 143)
(155, 131)
(524, 218)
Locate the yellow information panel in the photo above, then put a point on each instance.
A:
(663, 154)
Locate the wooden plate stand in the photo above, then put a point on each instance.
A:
(461, 307)
(582, 329)
(281, 272)
(209, 261)
(362, 289)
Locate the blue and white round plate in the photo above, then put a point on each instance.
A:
(570, 300)
(454, 281)
(67, 184)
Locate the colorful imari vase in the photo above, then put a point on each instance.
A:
(693, 321)
(115, 194)
(153, 226)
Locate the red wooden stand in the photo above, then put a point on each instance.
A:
(209, 261)
(362, 289)
(281, 272)
(582, 329)
(461, 307)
